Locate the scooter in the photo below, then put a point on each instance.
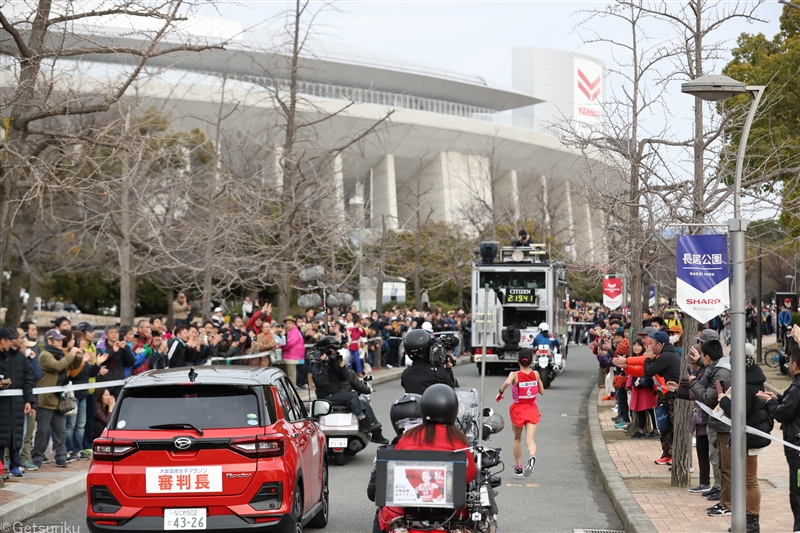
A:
(340, 427)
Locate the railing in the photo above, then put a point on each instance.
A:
(397, 100)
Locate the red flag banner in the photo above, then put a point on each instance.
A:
(612, 292)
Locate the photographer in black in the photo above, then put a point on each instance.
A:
(334, 382)
(430, 361)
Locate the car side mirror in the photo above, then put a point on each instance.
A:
(320, 408)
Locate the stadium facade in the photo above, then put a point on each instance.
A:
(453, 143)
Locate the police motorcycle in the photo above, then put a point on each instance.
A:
(462, 508)
(340, 426)
(549, 361)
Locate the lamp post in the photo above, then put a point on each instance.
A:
(358, 199)
(715, 88)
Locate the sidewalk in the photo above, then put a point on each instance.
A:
(35, 492)
(668, 508)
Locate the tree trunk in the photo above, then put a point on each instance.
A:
(379, 281)
(170, 320)
(14, 310)
(33, 291)
(126, 302)
(284, 292)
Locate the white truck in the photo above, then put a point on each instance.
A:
(524, 290)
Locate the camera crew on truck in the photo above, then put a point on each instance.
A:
(334, 382)
(425, 370)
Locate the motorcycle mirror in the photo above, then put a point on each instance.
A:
(367, 378)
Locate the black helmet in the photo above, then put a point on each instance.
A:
(328, 344)
(407, 407)
(418, 344)
(439, 404)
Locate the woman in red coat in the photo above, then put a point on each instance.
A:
(438, 432)
(643, 396)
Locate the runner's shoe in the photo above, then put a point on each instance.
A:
(529, 467)
(518, 470)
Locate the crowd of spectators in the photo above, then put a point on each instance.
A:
(80, 355)
(645, 379)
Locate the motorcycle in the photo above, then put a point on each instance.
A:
(341, 430)
(549, 363)
(480, 513)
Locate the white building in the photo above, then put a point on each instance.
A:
(454, 137)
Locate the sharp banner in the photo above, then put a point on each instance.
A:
(612, 292)
(702, 287)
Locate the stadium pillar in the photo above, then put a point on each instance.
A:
(384, 193)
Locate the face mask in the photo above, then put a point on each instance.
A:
(673, 339)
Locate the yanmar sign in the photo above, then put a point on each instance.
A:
(702, 288)
(588, 91)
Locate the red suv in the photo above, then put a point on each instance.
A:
(222, 448)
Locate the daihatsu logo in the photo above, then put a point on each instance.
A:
(183, 443)
(231, 475)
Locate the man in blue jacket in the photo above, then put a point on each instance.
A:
(784, 323)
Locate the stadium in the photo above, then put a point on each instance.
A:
(454, 142)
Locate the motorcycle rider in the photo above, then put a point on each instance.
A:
(334, 382)
(439, 407)
(543, 338)
(423, 373)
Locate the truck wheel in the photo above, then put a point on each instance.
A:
(544, 377)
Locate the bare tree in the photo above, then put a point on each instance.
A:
(37, 35)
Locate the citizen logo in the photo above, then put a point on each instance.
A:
(183, 443)
(243, 474)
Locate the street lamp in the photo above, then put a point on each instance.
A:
(715, 88)
(794, 281)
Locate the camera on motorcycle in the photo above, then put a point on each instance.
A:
(491, 425)
(487, 412)
(367, 378)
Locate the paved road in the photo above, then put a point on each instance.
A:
(563, 494)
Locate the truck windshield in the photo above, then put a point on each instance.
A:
(513, 280)
(523, 318)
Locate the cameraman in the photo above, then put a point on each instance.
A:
(334, 382)
(423, 373)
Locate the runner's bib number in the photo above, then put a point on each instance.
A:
(526, 388)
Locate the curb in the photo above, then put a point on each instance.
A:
(43, 499)
(633, 517)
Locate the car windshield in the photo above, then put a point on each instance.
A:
(202, 406)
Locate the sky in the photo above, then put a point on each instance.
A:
(478, 37)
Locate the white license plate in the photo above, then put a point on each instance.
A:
(178, 519)
(337, 443)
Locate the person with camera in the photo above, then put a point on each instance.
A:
(54, 363)
(335, 382)
(785, 408)
(424, 371)
(119, 357)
